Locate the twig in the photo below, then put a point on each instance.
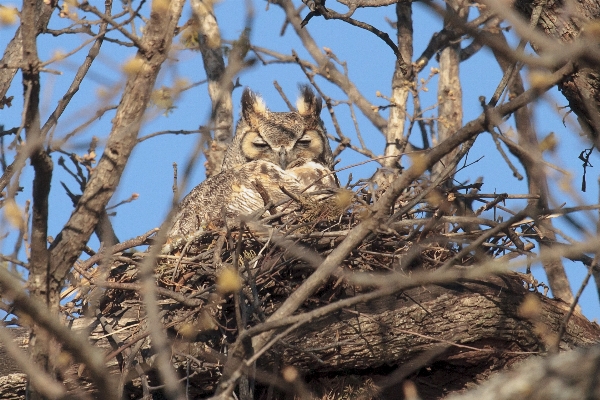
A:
(381, 208)
(516, 67)
(85, 6)
(172, 132)
(319, 9)
(117, 248)
(514, 170)
(565, 321)
(283, 96)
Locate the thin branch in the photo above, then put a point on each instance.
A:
(575, 302)
(78, 78)
(283, 96)
(382, 207)
(85, 6)
(328, 69)
(317, 8)
(171, 132)
(446, 36)
(99, 114)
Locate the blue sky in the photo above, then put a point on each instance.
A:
(370, 62)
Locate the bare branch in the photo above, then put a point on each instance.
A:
(41, 381)
(450, 105)
(381, 208)
(79, 76)
(77, 345)
(529, 154)
(570, 376)
(318, 8)
(324, 64)
(14, 51)
(219, 85)
(121, 141)
(140, 44)
(396, 140)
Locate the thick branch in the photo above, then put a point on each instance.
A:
(218, 90)
(382, 207)
(449, 89)
(568, 376)
(564, 21)
(157, 39)
(77, 345)
(401, 83)
(42, 165)
(13, 54)
(40, 160)
(40, 380)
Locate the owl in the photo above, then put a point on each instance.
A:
(279, 137)
(270, 151)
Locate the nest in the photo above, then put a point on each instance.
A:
(260, 261)
(270, 273)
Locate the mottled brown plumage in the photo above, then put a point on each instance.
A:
(269, 150)
(279, 137)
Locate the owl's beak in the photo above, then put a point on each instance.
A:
(283, 161)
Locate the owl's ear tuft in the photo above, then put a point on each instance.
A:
(308, 103)
(253, 106)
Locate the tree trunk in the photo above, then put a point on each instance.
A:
(564, 20)
(396, 137)
(449, 89)
(219, 85)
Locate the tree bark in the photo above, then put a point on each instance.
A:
(41, 348)
(12, 57)
(123, 137)
(219, 85)
(449, 89)
(49, 267)
(479, 325)
(466, 331)
(564, 21)
(396, 140)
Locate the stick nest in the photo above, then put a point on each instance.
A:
(266, 259)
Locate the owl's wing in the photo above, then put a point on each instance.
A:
(203, 204)
(232, 193)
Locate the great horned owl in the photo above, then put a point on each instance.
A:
(282, 138)
(270, 150)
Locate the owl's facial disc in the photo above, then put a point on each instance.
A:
(309, 146)
(255, 147)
